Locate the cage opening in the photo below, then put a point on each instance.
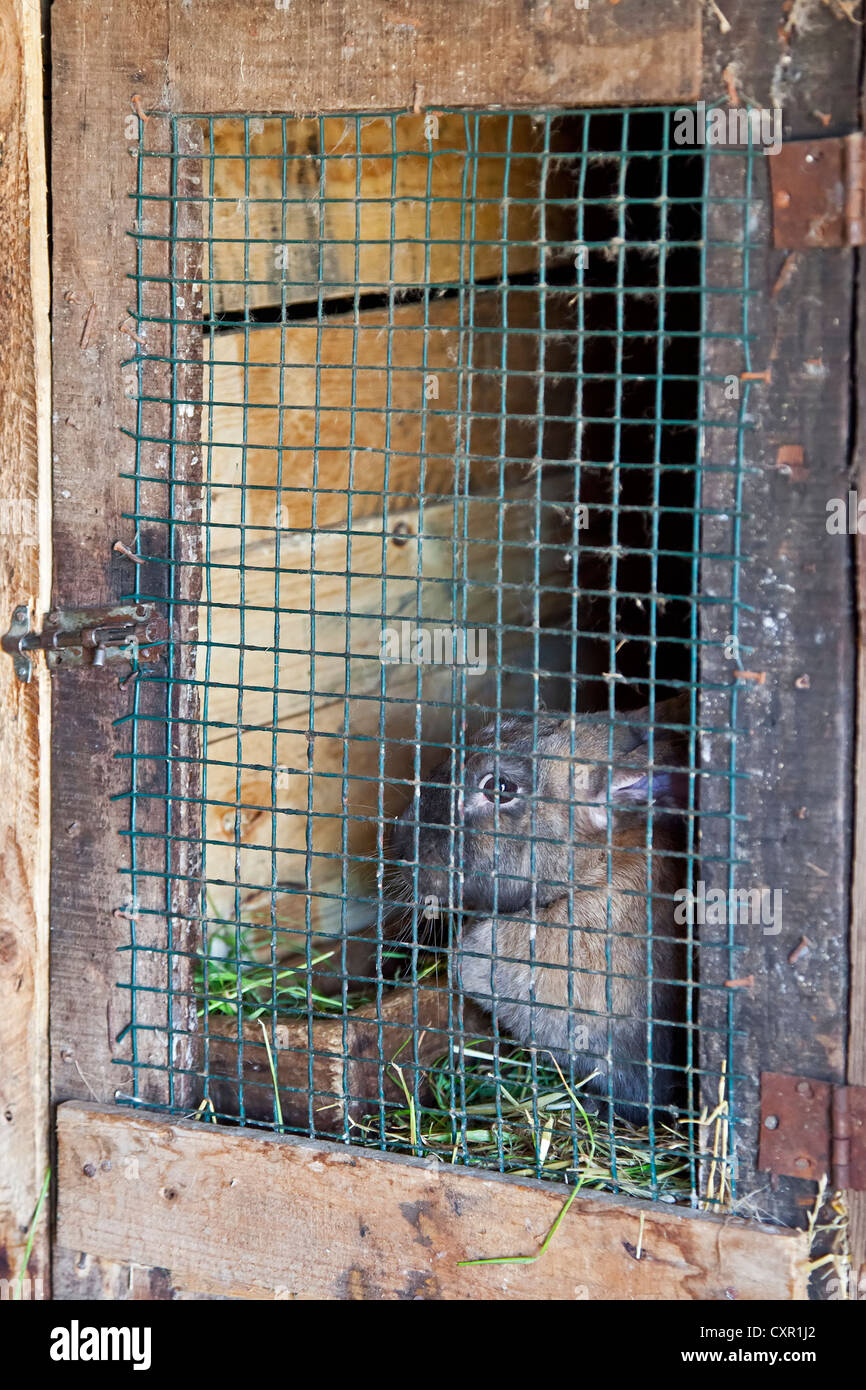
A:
(428, 515)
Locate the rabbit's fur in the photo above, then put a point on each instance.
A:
(552, 878)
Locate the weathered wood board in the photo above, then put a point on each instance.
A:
(333, 1074)
(25, 579)
(796, 618)
(354, 56)
(309, 1219)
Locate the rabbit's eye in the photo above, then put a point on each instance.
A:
(502, 789)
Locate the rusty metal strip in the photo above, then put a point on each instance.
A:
(810, 1129)
(818, 193)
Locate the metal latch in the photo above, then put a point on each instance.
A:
(87, 637)
(819, 193)
(809, 1128)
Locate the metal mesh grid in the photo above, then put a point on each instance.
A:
(456, 370)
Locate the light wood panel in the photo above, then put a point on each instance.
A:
(392, 403)
(311, 209)
(310, 721)
(25, 578)
(296, 598)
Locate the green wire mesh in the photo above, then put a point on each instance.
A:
(406, 375)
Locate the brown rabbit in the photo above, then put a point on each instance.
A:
(545, 841)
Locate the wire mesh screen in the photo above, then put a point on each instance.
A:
(419, 472)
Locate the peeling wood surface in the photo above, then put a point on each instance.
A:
(84, 1277)
(306, 1219)
(25, 464)
(186, 737)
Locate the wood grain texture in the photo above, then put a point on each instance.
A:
(88, 1278)
(856, 1073)
(100, 60)
(25, 463)
(379, 408)
(186, 466)
(309, 801)
(351, 1071)
(307, 1219)
(797, 620)
(286, 605)
(349, 55)
(380, 224)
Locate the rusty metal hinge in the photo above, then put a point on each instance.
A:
(809, 1128)
(86, 637)
(819, 193)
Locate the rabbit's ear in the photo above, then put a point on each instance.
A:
(632, 783)
(636, 787)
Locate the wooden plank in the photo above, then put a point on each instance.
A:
(348, 55)
(25, 578)
(185, 857)
(305, 403)
(307, 1219)
(100, 59)
(796, 620)
(333, 1073)
(283, 620)
(856, 1070)
(320, 208)
(303, 406)
(321, 722)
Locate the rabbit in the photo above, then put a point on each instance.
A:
(542, 846)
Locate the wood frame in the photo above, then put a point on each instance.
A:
(348, 1223)
(133, 51)
(799, 733)
(856, 1072)
(25, 578)
(353, 56)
